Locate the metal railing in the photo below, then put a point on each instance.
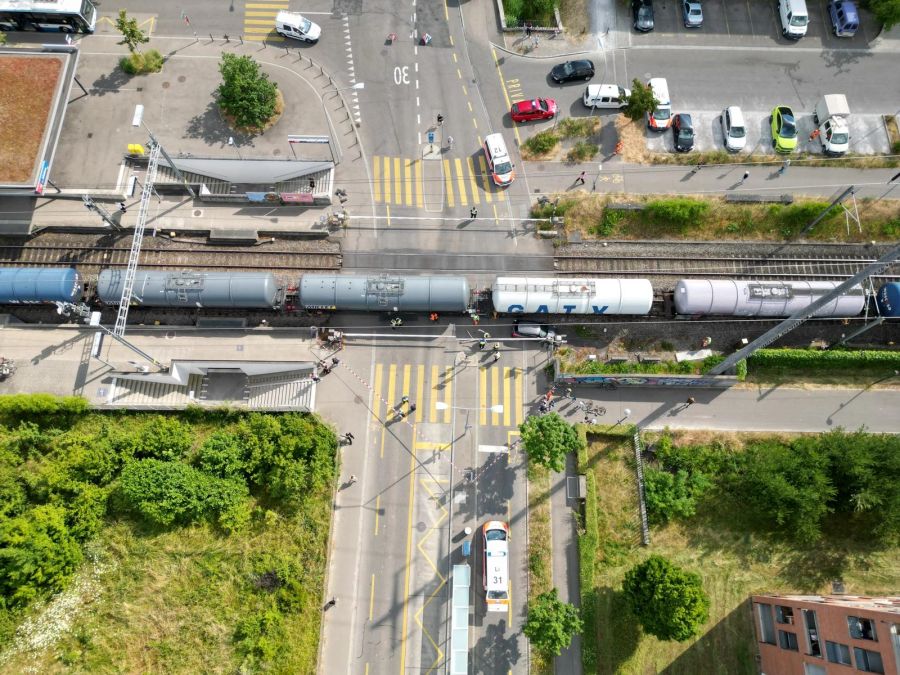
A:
(642, 503)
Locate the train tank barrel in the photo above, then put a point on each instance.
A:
(888, 299)
(731, 297)
(384, 292)
(31, 285)
(223, 290)
(538, 295)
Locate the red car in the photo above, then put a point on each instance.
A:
(533, 109)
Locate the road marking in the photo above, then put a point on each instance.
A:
(420, 389)
(376, 403)
(448, 392)
(407, 372)
(392, 383)
(398, 193)
(387, 179)
(420, 186)
(469, 103)
(434, 529)
(495, 394)
(454, 58)
(482, 396)
(409, 534)
(372, 599)
(507, 375)
(433, 445)
(407, 177)
(458, 74)
(518, 393)
(388, 208)
(448, 180)
(461, 182)
(474, 185)
(493, 448)
(484, 181)
(505, 93)
(433, 395)
(475, 123)
(377, 504)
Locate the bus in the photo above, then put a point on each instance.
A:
(496, 566)
(59, 16)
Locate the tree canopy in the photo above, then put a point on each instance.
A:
(548, 438)
(551, 623)
(886, 11)
(246, 93)
(132, 35)
(668, 601)
(641, 102)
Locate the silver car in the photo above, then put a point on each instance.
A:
(692, 13)
(733, 128)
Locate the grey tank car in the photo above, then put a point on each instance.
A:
(387, 293)
(250, 290)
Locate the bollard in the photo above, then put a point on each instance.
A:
(211, 38)
(226, 38)
(241, 38)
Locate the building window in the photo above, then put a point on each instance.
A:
(813, 669)
(784, 614)
(766, 625)
(812, 633)
(861, 629)
(837, 653)
(788, 640)
(869, 662)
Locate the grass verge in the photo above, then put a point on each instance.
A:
(733, 563)
(539, 548)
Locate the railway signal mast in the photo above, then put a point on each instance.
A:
(807, 312)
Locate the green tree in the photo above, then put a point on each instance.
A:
(38, 555)
(548, 438)
(551, 623)
(668, 601)
(886, 11)
(132, 36)
(672, 495)
(165, 438)
(246, 92)
(641, 102)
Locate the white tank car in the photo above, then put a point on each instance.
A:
(534, 295)
(729, 297)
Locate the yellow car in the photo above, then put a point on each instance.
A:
(784, 129)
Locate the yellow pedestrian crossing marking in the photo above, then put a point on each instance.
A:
(398, 181)
(427, 386)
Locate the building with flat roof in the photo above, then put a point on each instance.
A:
(827, 634)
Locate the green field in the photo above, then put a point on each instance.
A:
(202, 594)
(733, 561)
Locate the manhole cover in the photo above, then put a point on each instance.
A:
(198, 213)
(420, 526)
(276, 152)
(166, 85)
(181, 78)
(90, 134)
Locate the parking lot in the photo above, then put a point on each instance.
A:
(740, 23)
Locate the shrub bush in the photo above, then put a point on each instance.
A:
(673, 495)
(570, 127)
(541, 143)
(44, 410)
(166, 438)
(38, 555)
(678, 211)
(546, 210)
(222, 455)
(258, 638)
(582, 151)
(817, 361)
(608, 223)
(141, 63)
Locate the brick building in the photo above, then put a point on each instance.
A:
(827, 635)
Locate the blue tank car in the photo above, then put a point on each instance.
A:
(888, 299)
(35, 285)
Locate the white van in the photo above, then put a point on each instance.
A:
(605, 96)
(296, 26)
(661, 118)
(794, 18)
(498, 161)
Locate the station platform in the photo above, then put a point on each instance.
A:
(262, 369)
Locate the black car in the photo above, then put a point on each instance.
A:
(643, 15)
(683, 131)
(572, 70)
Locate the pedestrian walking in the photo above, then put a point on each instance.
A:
(744, 178)
(449, 141)
(482, 343)
(440, 119)
(580, 179)
(316, 378)
(696, 169)
(348, 438)
(496, 356)
(475, 319)
(352, 479)
(527, 30)
(412, 408)
(814, 135)
(326, 370)
(569, 393)
(396, 323)
(473, 213)
(551, 403)
(496, 347)
(581, 405)
(331, 603)
(122, 207)
(335, 361)
(404, 400)
(784, 165)
(691, 401)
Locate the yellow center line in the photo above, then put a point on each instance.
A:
(376, 398)
(507, 375)
(470, 106)
(454, 57)
(496, 217)
(495, 394)
(447, 15)
(388, 209)
(465, 91)
(271, 14)
(377, 506)
(475, 123)
(473, 184)
(372, 599)
(419, 187)
(505, 93)
(458, 73)
(518, 390)
(409, 533)
(407, 181)
(448, 179)
(461, 181)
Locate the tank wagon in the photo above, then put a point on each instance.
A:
(534, 295)
(27, 285)
(762, 298)
(888, 299)
(250, 290)
(351, 292)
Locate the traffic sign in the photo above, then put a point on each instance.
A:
(431, 137)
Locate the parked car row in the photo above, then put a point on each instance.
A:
(793, 15)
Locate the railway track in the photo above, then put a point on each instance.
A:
(92, 259)
(752, 267)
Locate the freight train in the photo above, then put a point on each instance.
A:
(443, 294)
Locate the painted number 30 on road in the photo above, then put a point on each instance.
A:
(401, 75)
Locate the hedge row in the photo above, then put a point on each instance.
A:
(806, 359)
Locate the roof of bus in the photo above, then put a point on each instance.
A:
(42, 5)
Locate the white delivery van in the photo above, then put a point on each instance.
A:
(605, 96)
(296, 26)
(661, 118)
(499, 164)
(832, 118)
(794, 18)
